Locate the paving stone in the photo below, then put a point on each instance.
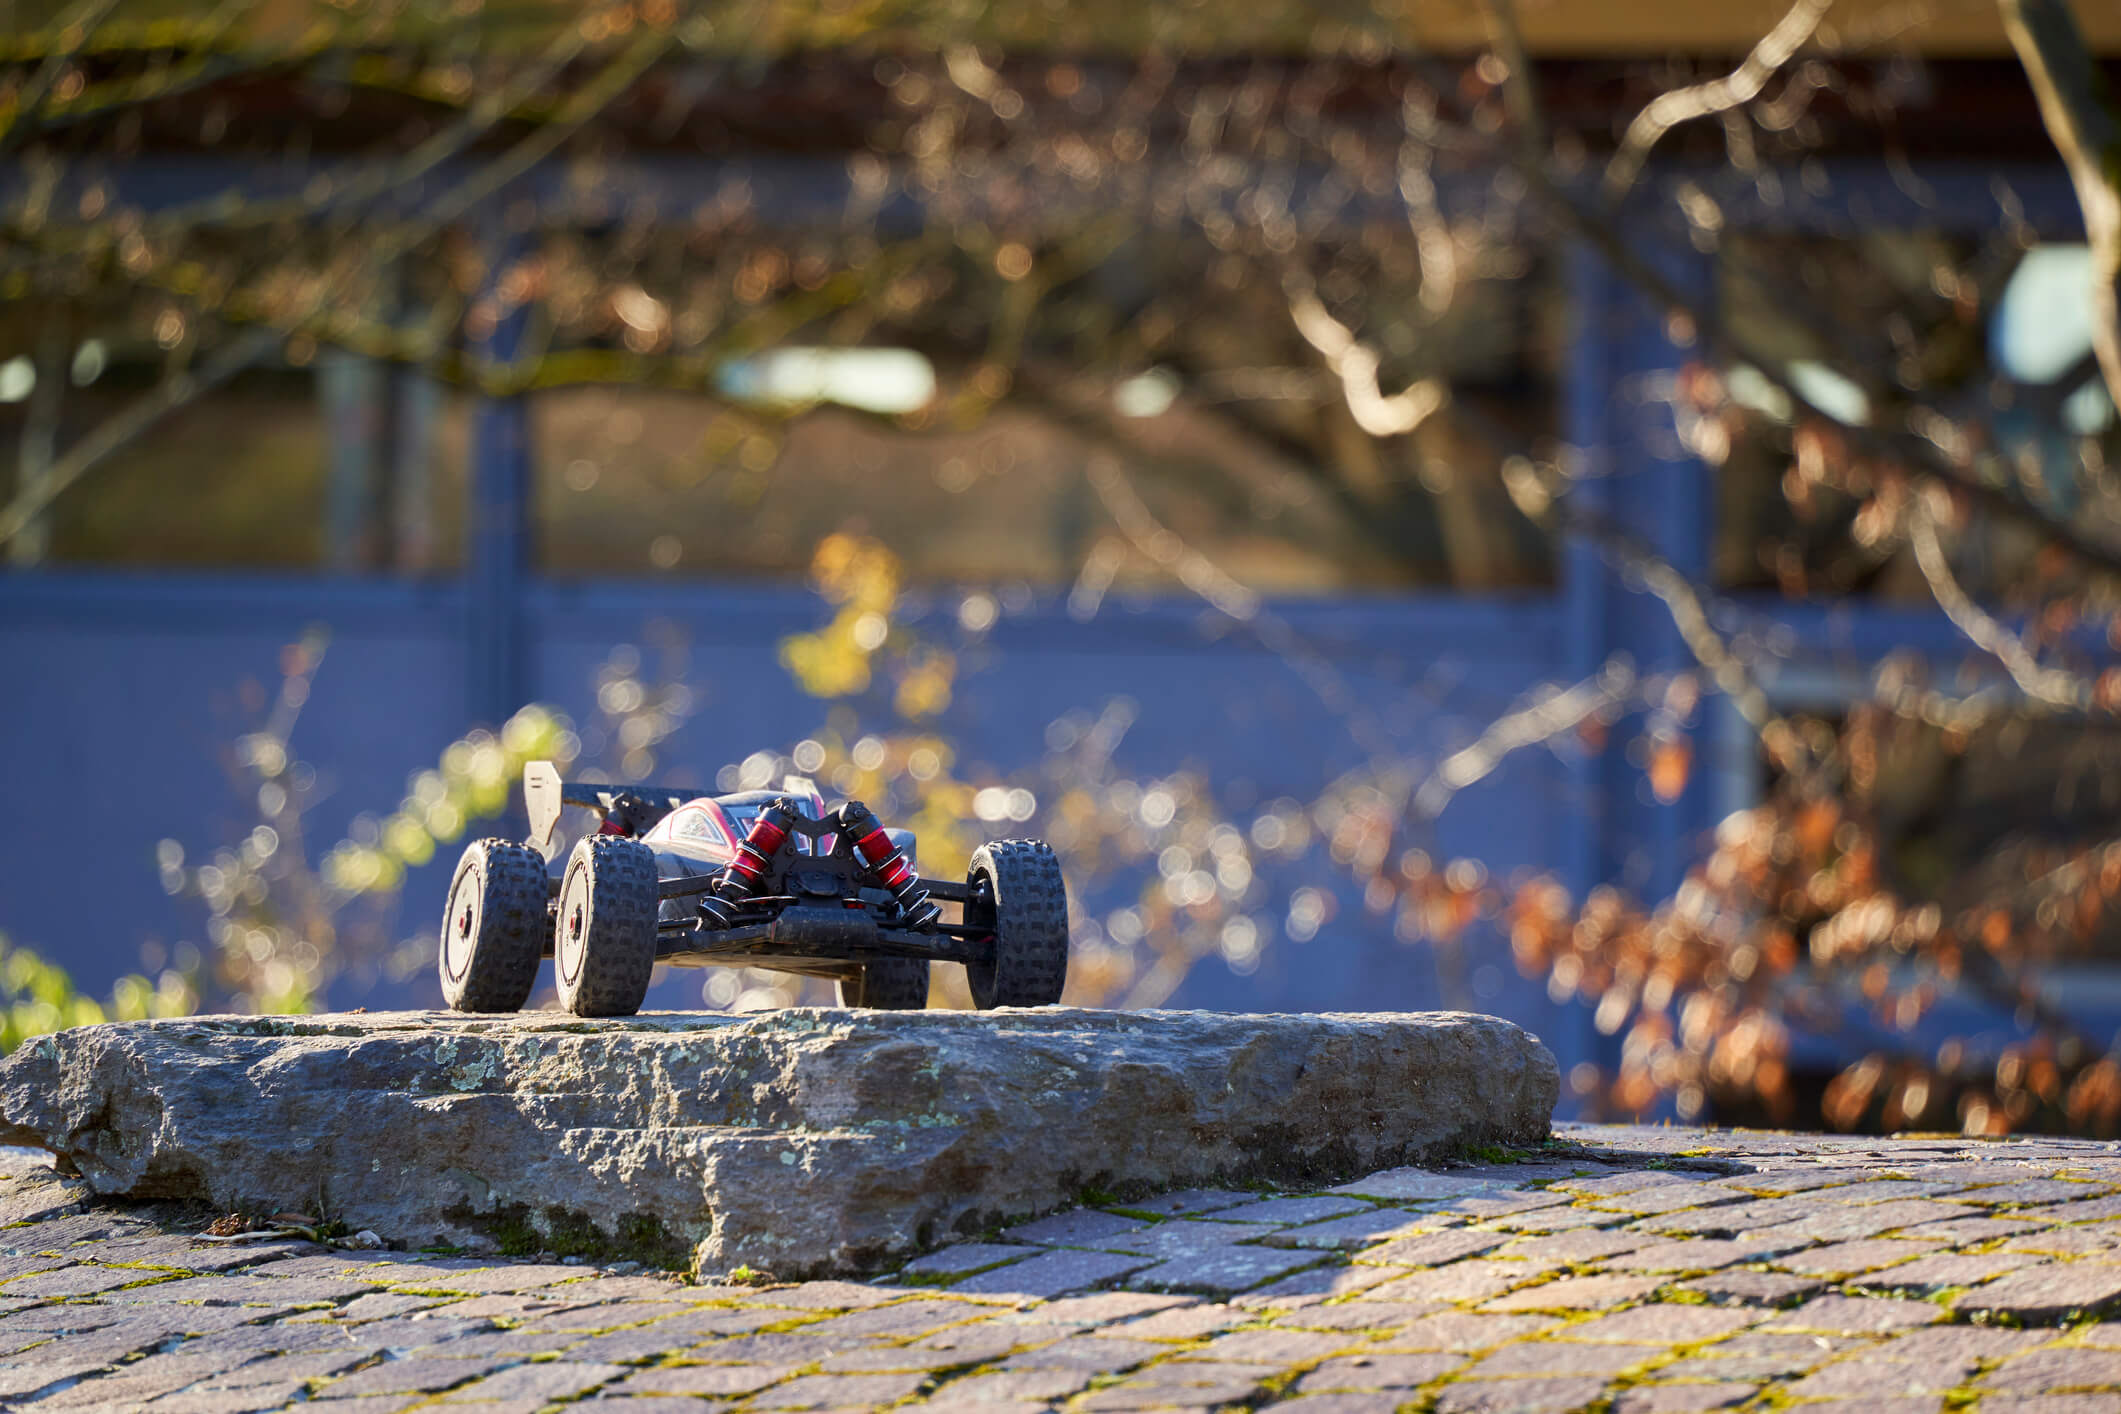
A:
(1667, 1197)
(2052, 1404)
(612, 1347)
(1473, 1280)
(242, 1289)
(1433, 1249)
(1576, 1294)
(1842, 1259)
(1558, 1220)
(1504, 1203)
(1959, 1342)
(1681, 1399)
(812, 1296)
(1409, 1184)
(1663, 1325)
(1191, 1200)
(1183, 1236)
(2047, 1293)
(1553, 1357)
(2043, 1371)
(1272, 1347)
(1098, 1355)
(1357, 1316)
(1614, 1184)
(1752, 1288)
(1189, 1322)
(905, 1320)
(889, 1359)
(417, 1375)
(1189, 1384)
(2095, 1240)
(1463, 1332)
(1969, 1230)
(702, 1380)
(1097, 1310)
(1580, 1245)
(1286, 1211)
(1862, 1377)
(1843, 1221)
(1373, 1372)
(2086, 1210)
(1855, 1315)
(2035, 1190)
(831, 1391)
(1344, 1402)
(989, 1388)
(965, 1257)
(1945, 1269)
(1705, 1254)
(1056, 1272)
(1317, 1284)
(990, 1339)
(1084, 1227)
(77, 1281)
(1536, 1396)
(543, 1382)
(1221, 1270)
(1360, 1229)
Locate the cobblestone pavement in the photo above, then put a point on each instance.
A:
(1624, 1271)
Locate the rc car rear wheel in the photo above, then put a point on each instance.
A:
(888, 984)
(1017, 891)
(603, 945)
(493, 929)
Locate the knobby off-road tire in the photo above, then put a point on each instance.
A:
(888, 984)
(603, 945)
(493, 928)
(1017, 891)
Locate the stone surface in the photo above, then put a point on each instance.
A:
(801, 1142)
(140, 1316)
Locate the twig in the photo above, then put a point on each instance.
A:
(1741, 85)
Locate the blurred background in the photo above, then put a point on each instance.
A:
(1608, 515)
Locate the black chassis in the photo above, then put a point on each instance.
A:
(812, 914)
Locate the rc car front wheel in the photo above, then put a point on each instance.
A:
(1017, 891)
(603, 945)
(888, 984)
(493, 930)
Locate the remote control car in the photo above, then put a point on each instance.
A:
(753, 879)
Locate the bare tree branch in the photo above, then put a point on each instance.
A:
(1741, 85)
(1355, 364)
(2082, 121)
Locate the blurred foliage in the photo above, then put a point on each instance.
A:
(38, 997)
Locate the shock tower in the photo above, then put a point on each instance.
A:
(766, 864)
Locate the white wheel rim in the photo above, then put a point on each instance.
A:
(460, 925)
(571, 928)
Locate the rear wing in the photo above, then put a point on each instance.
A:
(545, 795)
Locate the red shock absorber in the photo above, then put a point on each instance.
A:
(754, 856)
(886, 864)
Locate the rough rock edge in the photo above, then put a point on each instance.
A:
(806, 1141)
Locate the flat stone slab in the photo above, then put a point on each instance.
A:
(803, 1142)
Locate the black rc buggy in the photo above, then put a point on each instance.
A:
(753, 879)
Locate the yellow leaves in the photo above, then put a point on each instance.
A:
(925, 688)
(857, 571)
(472, 781)
(861, 577)
(828, 663)
(38, 997)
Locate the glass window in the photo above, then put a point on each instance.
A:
(984, 435)
(340, 462)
